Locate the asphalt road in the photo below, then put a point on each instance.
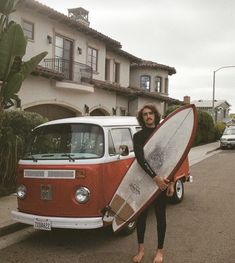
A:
(200, 230)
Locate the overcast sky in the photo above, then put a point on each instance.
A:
(194, 36)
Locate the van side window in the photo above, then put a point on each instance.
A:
(117, 137)
(111, 145)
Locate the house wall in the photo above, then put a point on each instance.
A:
(46, 92)
(124, 68)
(136, 104)
(137, 72)
(44, 27)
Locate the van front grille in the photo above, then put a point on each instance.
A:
(55, 174)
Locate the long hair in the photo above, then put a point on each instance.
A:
(153, 109)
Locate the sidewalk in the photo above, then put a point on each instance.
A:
(7, 225)
(8, 203)
(199, 153)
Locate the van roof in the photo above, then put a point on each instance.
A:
(99, 120)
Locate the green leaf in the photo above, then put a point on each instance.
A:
(13, 86)
(8, 6)
(30, 65)
(16, 66)
(12, 43)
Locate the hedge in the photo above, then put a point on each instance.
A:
(15, 130)
(206, 132)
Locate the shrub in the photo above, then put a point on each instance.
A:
(171, 109)
(205, 130)
(14, 131)
(219, 129)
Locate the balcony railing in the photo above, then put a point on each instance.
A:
(72, 70)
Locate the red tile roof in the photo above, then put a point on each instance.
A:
(151, 64)
(132, 91)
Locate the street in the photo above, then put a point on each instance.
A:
(201, 229)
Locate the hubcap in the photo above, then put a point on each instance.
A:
(179, 189)
(131, 224)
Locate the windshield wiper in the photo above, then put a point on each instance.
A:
(69, 156)
(33, 158)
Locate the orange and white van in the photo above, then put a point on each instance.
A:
(72, 168)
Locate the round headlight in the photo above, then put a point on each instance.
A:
(21, 191)
(82, 195)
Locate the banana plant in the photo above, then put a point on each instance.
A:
(13, 43)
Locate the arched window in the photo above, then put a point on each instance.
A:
(158, 84)
(145, 82)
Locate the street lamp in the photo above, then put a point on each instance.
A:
(213, 98)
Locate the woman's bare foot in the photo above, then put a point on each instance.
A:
(159, 256)
(138, 257)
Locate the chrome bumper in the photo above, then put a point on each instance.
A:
(60, 222)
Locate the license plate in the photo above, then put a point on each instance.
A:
(42, 224)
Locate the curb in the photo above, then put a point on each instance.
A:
(10, 228)
(216, 149)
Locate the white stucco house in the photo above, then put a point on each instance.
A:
(85, 71)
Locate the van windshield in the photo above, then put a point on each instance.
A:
(66, 141)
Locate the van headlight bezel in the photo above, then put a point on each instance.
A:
(82, 195)
(21, 191)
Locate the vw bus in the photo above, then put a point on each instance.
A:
(72, 168)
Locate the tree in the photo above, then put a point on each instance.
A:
(13, 71)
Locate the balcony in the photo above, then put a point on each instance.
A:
(71, 70)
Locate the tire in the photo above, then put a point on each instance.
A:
(178, 195)
(222, 147)
(129, 229)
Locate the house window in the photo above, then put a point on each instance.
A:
(158, 84)
(117, 72)
(166, 85)
(122, 111)
(145, 82)
(63, 56)
(28, 29)
(225, 113)
(92, 58)
(107, 69)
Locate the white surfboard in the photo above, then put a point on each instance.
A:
(165, 151)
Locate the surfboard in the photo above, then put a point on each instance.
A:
(165, 151)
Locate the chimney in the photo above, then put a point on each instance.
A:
(80, 15)
(186, 99)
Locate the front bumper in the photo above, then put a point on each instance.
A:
(60, 222)
(227, 143)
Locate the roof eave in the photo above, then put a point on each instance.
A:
(53, 14)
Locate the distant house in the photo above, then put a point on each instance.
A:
(221, 108)
(230, 121)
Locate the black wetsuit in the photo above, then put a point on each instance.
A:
(139, 140)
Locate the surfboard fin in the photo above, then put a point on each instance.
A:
(108, 214)
(105, 209)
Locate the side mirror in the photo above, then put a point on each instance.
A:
(123, 150)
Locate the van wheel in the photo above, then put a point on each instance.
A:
(130, 228)
(178, 195)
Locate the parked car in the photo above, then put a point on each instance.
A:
(228, 138)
